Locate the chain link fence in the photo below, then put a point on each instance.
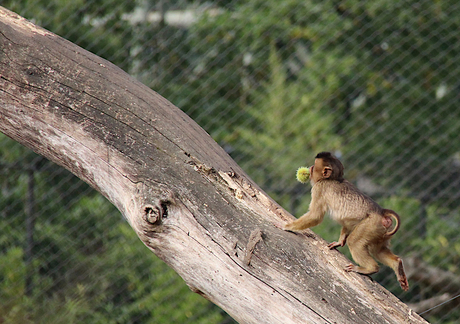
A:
(274, 82)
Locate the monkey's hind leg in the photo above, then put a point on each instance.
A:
(359, 249)
(361, 255)
(393, 261)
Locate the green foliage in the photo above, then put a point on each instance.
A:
(84, 271)
(12, 272)
(283, 113)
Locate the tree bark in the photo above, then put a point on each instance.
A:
(187, 200)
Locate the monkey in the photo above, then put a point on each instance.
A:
(365, 225)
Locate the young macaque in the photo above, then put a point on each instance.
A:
(365, 225)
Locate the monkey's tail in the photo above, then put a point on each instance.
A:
(389, 212)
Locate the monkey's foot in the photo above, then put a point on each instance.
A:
(404, 284)
(350, 268)
(402, 277)
(334, 245)
(361, 270)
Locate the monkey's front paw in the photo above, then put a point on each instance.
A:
(284, 227)
(279, 225)
(350, 268)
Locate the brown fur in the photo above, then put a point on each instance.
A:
(365, 225)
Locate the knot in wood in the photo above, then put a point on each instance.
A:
(32, 72)
(152, 214)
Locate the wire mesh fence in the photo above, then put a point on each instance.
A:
(274, 83)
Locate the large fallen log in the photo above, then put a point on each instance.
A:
(187, 200)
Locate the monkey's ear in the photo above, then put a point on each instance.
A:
(327, 172)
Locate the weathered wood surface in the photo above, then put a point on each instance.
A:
(188, 201)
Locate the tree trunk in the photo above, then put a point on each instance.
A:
(187, 200)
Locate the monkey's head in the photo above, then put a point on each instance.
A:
(326, 167)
